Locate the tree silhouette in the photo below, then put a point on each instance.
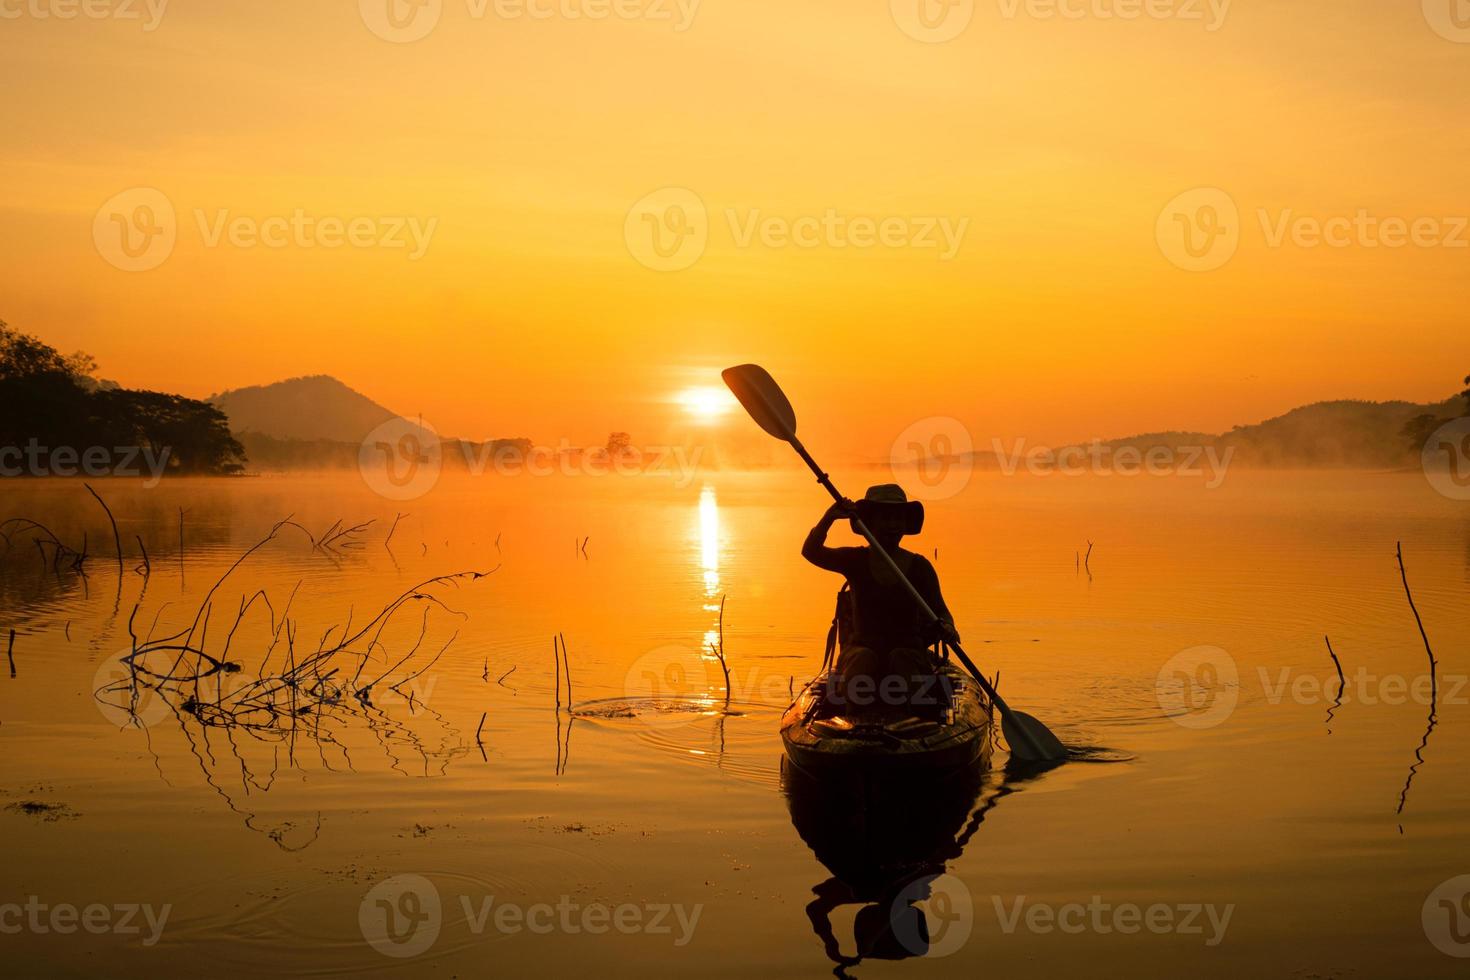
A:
(52, 402)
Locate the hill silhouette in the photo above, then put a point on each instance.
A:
(318, 408)
(1345, 433)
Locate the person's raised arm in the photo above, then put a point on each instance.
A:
(815, 549)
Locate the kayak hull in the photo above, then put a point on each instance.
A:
(955, 737)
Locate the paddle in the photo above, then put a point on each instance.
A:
(754, 387)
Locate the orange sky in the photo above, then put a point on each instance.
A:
(526, 142)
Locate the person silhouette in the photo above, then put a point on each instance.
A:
(885, 649)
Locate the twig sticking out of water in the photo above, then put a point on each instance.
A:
(1433, 664)
(556, 672)
(1433, 688)
(145, 565)
(13, 526)
(718, 649)
(483, 716)
(503, 676)
(10, 653)
(1341, 683)
(486, 675)
(566, 666)
(389, 539)
(313, 684)
(1087, 558)
(116, 537)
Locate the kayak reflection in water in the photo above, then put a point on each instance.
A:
(887, 844)
(888, 636)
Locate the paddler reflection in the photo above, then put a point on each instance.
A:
(888, 844)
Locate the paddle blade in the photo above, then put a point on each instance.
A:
(754, 388)
(1030, 740)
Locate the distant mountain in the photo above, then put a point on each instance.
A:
(1338, 433)
(316, 408)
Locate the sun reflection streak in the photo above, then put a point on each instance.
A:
(709, 557)
(709, 541)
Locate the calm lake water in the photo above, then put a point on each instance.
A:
(1219, 822)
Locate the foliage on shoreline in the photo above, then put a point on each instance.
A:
(51, 403)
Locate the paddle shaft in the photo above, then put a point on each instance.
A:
(862, 528)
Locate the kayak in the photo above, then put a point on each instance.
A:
(951, 731)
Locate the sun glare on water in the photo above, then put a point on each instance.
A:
(707, 404)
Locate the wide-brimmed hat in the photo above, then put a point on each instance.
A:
(888, 498)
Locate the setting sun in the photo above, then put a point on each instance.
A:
(706, 403)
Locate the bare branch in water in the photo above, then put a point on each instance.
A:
(116, 537)
(718, 649)
(1341, 683)
(1433, 688)
(388, 541)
